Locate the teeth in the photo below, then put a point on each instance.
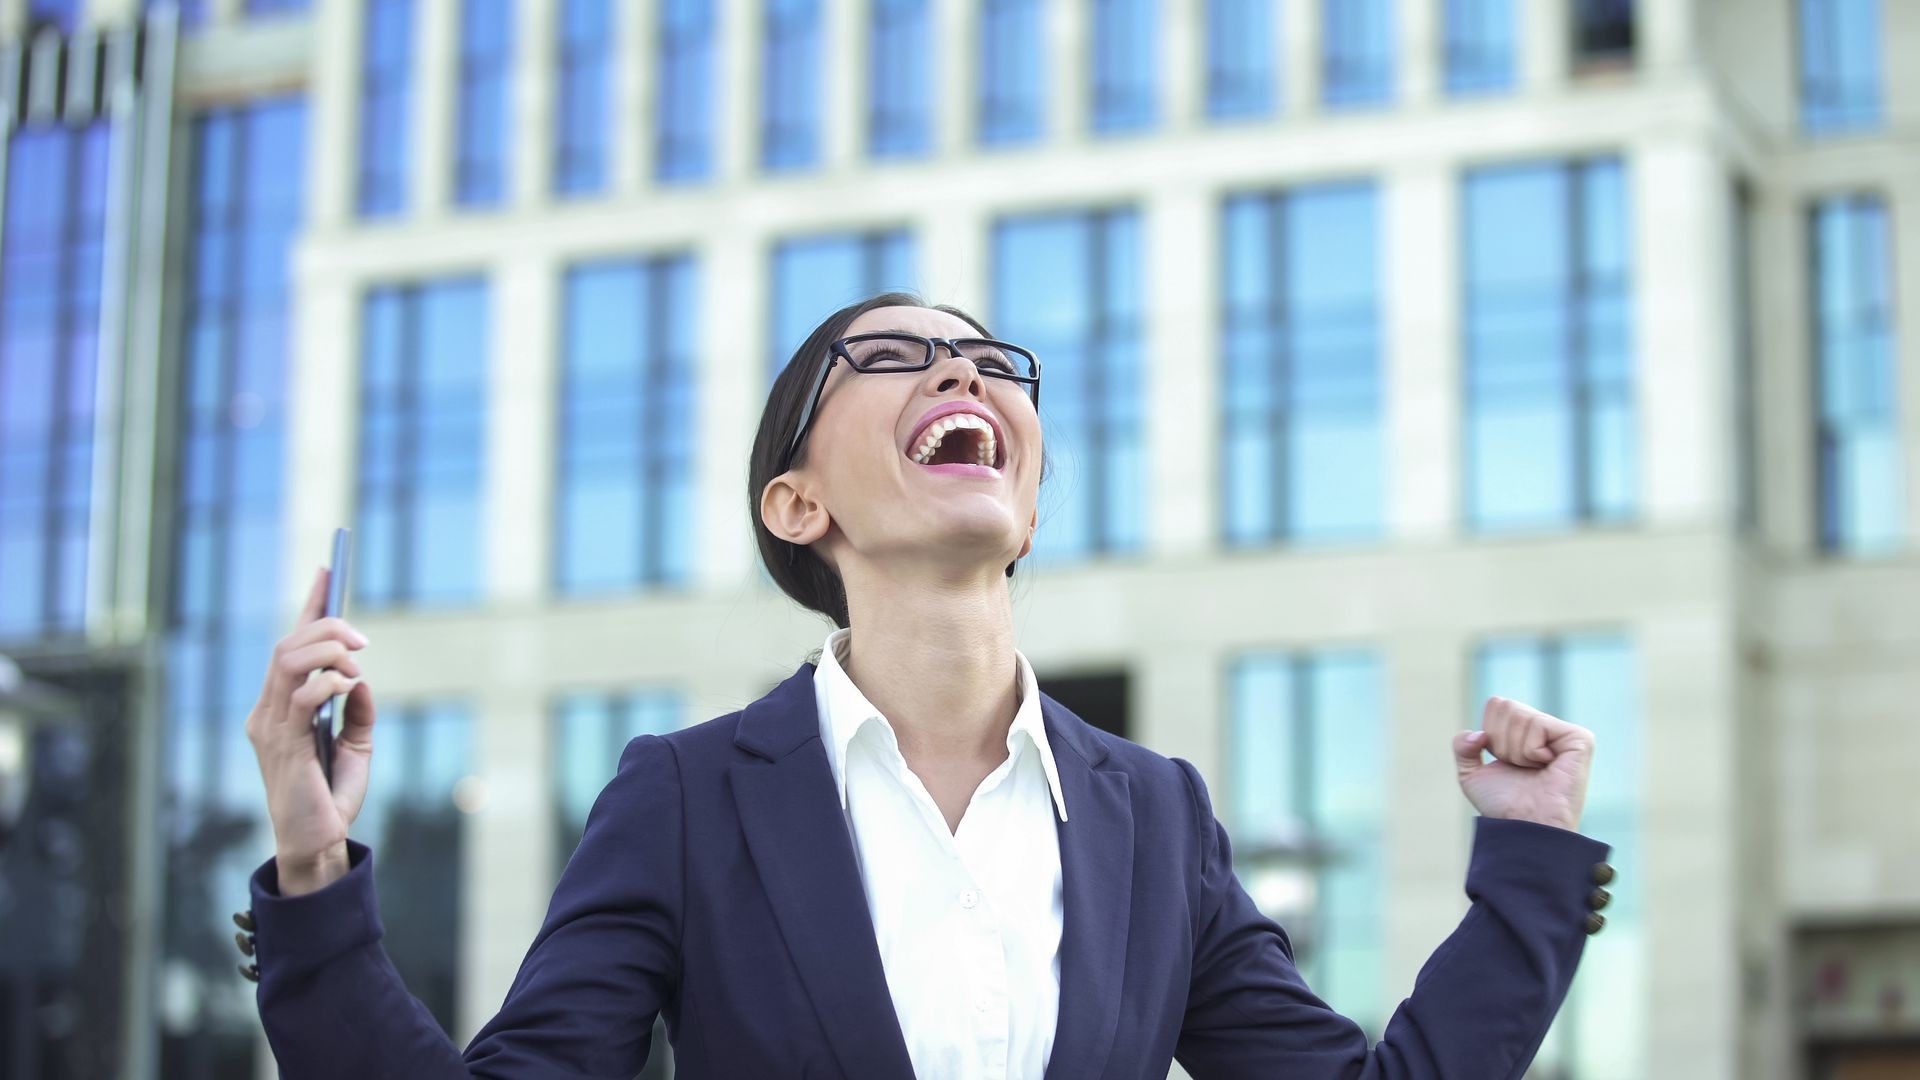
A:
(936, 433)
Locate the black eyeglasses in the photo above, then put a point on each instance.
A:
(887, 351)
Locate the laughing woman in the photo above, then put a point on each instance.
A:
(905, 860)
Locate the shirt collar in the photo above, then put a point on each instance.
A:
(844, 711)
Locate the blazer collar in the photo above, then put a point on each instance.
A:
(797, 834)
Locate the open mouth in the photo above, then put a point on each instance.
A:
(958, 438)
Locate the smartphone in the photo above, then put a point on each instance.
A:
(337, 573)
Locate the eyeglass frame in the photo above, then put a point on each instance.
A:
(837, 351)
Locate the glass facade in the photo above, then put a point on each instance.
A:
(1358, 53)
(1301, 442)
(1125, 65)
(1480, 46)
(413, 822)
(481, 163)
(225, 610)
(51, 245)
(625, 507)
(424, 364)
(1592, 679)
(386, 108)
(814, 276)
(900, 78)
(1840, 66)
(1551, 427)
(684, 113)
(1856, 357)
(791, 69)
(1067, 285)
(1241, 38)
(1306, 748)
(1012, 76)
(583, 102)
(1603, 31)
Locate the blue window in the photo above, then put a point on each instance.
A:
(486, 69)
(193, 13)
(386, 108)
(1357, 53)
(1067, 285)
(626, 426)
(1479, 46)
(50, 278)
(1307, 746)
(582, 109)
(1303, 447)
(790, 75)
(224, 608)
(1603, 32)
(277, 7)
(1550, 415)
(590, 731)
(1013, 72)
(422, 444)
(1857, 357)
(1240, 68)
(61, 13)
(683, 120)
(1840, 66)
(1124, 65)
(414, 819)
(1591, 680)
(900, 79)
(814, 276)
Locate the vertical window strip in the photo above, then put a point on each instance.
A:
(583, 103)
(683, 118)
(1240, 58)
(590, 733)
(900, 72)
(1480, 36)
(1357, 53)
(790, 85)
(1857, 434)
(1012, 75)
(1840, 66)
(486, 65)
(1123, 65)
(386, 106)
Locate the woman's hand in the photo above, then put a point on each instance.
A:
(312, 663)
(1539, 771)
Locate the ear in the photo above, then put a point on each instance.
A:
(790, 512)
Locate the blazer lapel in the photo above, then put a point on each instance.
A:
(798, 837)
(1096, 868)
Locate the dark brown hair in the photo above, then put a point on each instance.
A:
(800, 571)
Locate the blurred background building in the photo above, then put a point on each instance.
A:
(1398, 352)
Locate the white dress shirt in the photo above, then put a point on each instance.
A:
(968, 922)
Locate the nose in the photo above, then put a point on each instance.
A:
(974, 384)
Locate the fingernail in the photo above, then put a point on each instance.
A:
(360, 639)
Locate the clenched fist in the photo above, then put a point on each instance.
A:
(1539, 771)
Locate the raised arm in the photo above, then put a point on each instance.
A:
(1483, 1001)
(605, 961)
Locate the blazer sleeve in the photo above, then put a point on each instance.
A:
(1480, 1005)
(603, 964)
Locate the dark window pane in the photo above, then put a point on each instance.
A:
(1358, 53)
(1840, 76)
(1012, 72)
(1241, 35)
(1124, 65)
(1480, 46)
(790, 81)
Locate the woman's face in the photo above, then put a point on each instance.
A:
(869, 483)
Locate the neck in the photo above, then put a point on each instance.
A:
(936, 657)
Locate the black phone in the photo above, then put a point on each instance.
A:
(336, 605)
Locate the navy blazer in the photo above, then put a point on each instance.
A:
(716, 885)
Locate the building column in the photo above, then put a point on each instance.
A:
(1546, 47)
(1069, 34)
(1680, 202)
(843, 96)
(323, 369)
(436, 64)
(635, 82)
(1183, 64)
(1429, 823)
(1299, 53)
(333, 108)
(530, 120)
(737, 89)
(1421, 295)
(523, 306)
(953, 239)
(1783, 365)
(1668, 33)
(732, 387)
(1178, 707)
(1422, 52)
(955, 88)
(1181, 372)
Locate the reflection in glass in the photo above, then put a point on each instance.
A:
(1551, 428)
(1067, 286)
(1592, 680)
(1307, 750)
(51, 243)
(424, 366)
(1302, 446)
(624, 506)
(1857, 428)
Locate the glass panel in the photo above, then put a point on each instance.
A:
(1241, 38)
(900, 79)
(1124, 65)
(683, 118)
(1012, 72)
(790, 85)
(583, 102)
(1480, 46)
(1861, 478)
(1358, 53)
(486, 71)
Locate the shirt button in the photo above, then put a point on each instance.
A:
(968, 898)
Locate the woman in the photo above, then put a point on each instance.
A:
(904, 860)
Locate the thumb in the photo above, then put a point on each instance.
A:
(1467, 748)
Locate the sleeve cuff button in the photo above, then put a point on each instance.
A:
(1602, 873)
(243, 941)
(251, 971)
(1595, 921)
(243, 920)
(1600, 898)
